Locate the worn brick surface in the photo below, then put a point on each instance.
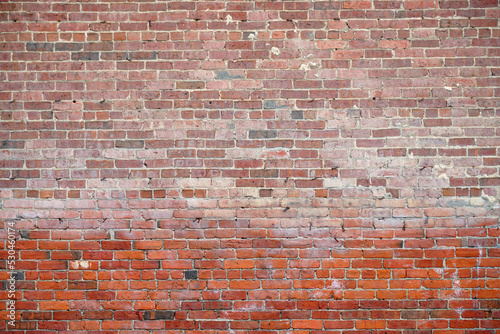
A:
(247, 167)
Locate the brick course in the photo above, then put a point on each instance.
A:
(251, 166)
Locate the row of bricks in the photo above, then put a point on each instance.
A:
(202, 279)
(301, 326)
(202, 193)
(163, 6)
(156, 259)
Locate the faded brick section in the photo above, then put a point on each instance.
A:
(251, 167)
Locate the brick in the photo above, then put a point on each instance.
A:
(190, 85)
(257, 134)
(129, 144)
(225, 75)
(52, 305)
(271, 104)
(482, 4)
(39, 46)
(190, 274)
(159, 315)
(85, 56)
(68, 46)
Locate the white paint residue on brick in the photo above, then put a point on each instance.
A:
(478, 266)
(309, 66)
(79, 264)
(335, 285)
(379, 192)
(457, 288)
(275, 51)
(440, 171)
(489, 199)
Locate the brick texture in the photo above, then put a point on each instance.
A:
(251, 167)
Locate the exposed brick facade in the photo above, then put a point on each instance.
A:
(251, 167)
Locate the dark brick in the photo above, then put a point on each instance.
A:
(102, 46)
(85, 56)
(130, 55)
(159, 315)
(191, 274)
(82, 285)
(129, 144)
(190, 84)
(256, 134)
(31, 46)
(149, 315)
(454, 23)
(24, 234)
(69, 46)
(225, 75)
(76, 255)
(11, 144)
(99, 125)
(297, 114)
(264, 173)
(265, 192)
(19, 275)
(144, 55)
(25, 174)
(274, 105)
(401, 14)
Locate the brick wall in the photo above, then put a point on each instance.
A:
(251, 167)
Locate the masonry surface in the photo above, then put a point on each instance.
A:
(251, 167)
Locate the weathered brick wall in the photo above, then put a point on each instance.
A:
(252, 166)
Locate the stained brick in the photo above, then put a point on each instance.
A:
(69, 46)
(225, 75)
(85, 56)
(257, 134)
(273, 105)
(190, 274)
(129, 144)
(32, 46)
(12, 144)
(159, 315)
